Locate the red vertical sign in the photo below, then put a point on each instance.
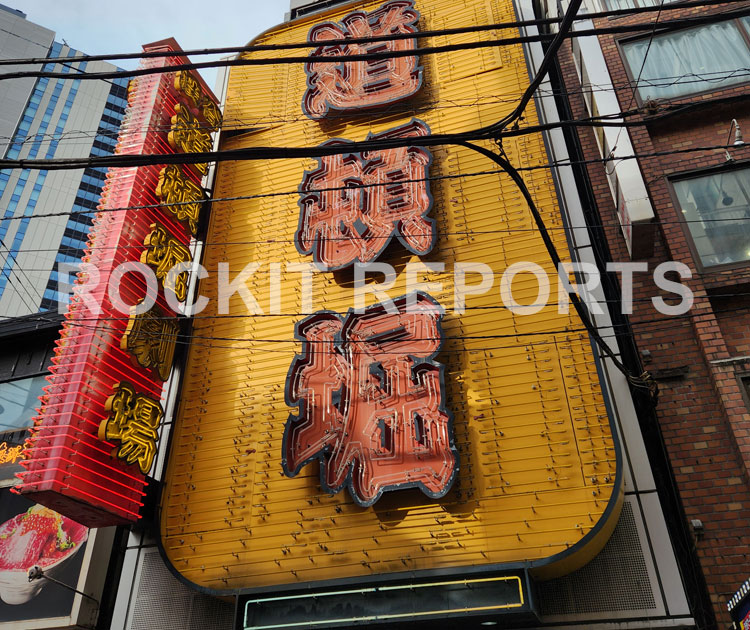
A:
(95, 438)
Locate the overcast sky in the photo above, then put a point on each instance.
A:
(110, 26)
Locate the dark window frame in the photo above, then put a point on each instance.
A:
(636, 5)
(671, 179)
(620, 42)
(742, 378)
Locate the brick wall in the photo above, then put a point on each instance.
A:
(703, 414)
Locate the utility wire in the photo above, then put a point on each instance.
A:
(19, 285)
(366, 40)
(668, 26)
(497, 132)
(499, 307)
(640, 72)
(277, 153)
(508, 230)
(239, 124)
(196, 339)
(545, 166)
(556, 260)
(550, 57)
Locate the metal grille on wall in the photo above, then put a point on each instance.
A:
(162, 601)
(616, 580)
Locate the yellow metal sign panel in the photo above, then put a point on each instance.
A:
(538, 481)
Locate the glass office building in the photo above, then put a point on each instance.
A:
(45, 215)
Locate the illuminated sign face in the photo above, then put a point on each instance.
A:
(163, 253)
(150, 339)
(10, 454)
(353, 204)
(296, 417)
(355, 85)
(371, 401)
(132, 421)
(97, 434)
(184, 196)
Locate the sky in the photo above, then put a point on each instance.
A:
(110, 26)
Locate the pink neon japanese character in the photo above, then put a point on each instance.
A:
(353, 204)
(371, 401)
(356, 85)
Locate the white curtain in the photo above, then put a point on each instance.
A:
(674, 60)
(615, 5)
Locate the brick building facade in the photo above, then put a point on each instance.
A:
(701, 209)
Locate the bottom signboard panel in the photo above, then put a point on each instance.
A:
(392, 604)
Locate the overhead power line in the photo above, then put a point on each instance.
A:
(497, 132)
(535, 167)
(640, 71)
(609, 331)
(20, 284)
(277, 153)
(465, 307)
(510, 97)
(289, 240)
(365, 40)
(667, 26)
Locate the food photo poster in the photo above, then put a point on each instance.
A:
(33, 535)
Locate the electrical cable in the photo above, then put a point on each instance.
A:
(275, 153)
(545, 166)
(498, 128)
(500, 125)
(550, 56)
(640, 72)
(497, 131)
(196, 339)
(21, 289)
(671, 25)
(237, 124)
(499, 307)
(616, 13)
(353, 237)
(555, 258)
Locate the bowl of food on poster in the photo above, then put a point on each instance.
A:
(38, 537)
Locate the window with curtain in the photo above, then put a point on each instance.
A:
(703, 58)
(716, 209)
(615, 5)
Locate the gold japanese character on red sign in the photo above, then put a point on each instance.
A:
(163, 253)
(181, 197)
(211, 112)
(188, 85)
(371, 401)
(188, 135)
(150, 339)
(356, 85)
(351, 205)
(133, 420)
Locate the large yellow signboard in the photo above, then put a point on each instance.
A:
(538, 481)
